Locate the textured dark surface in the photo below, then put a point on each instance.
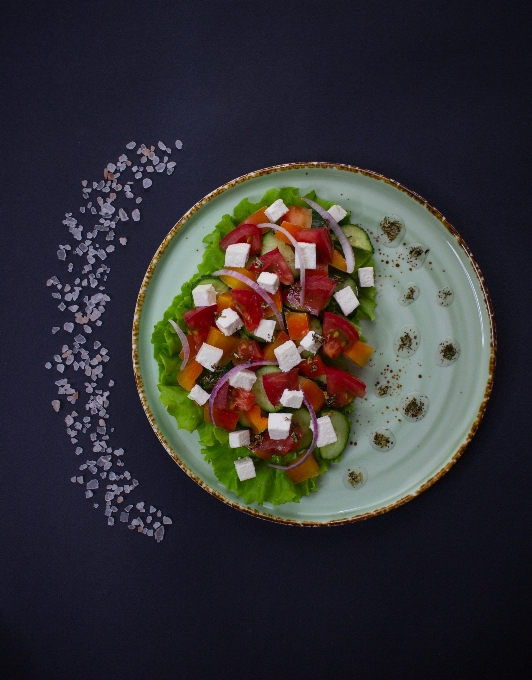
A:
(435, 95)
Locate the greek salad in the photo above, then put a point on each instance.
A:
(259, 351)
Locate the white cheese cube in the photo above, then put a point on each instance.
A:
(237, 255)
(347, 300)
(366, 277)
(265, 329)
(199, 395)
(276, 210)
(287, 356)
(337, 212)
(245, 469)
(244, 379)
(311, 342)
(204, 295)
(268, 281)
(239, 438)
(326, 433)
(208, 356)
(229, 321)
(279, 425)
(292, 398)
(309, 255)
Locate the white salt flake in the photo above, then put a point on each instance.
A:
(123, 240)
(68, 326)
(136, 213)
(160, 167)
(131, 145)
(123, 215)
(159, 534)
(146, 183)
(178, 144)
(161, 146)
(56, 405)
(167, 520)
(47, 365)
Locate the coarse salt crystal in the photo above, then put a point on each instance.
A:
(146, 182)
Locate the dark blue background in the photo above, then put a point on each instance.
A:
(433, 94)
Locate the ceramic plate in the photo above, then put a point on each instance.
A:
(456, 394)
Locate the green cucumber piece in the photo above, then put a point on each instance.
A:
(341, 426)
(302, 418)
(218, 285)
(258, 390)
(357, 237)
(343, 281)
(269, 242)
(315, 325)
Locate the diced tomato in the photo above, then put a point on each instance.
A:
(249, 306)
(312, 367)
(223, 301)
(321, 236)
(342, 387)
(318, 292)
(245, 233)
(225, 419)
(314, 394)
(359, 353)
(279, 340)
(302, 217)
(256, 420)
(241, 399)
(200, 317)
(306, 470)
(226, 343)
(292, 229)
(322, 269)
(195, 341)
(340, 335)
(265, 447)
(275, 262)
(297, 324)
(234, 283)
(247, 350)
(187, 377)
(276, 383)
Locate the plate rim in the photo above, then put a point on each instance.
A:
(295, 166)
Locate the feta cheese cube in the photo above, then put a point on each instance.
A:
(239, 438)
(229, 321)
(244, 379)
(265, 329)
(276, 210)
(245, 469)
(287, 356)
(311, 342)
(309, 255)
(237, 254)
(268, 281)
(326, 433)
(366, 277)
(279, 425)
(199, 395)
(347, 300)
(204, 295)
(337, 212)
(208, 356)
(292, 398)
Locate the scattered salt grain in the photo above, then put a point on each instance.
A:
(135, 215)
(47, 365)
(131, 145)
(146, 183)
(167, 520)
(178, 144)
(69, 327)
(123, 215)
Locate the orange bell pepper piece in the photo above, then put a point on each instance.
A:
(236, 283)
(297, 324)
(224, 342)
(359, 353)
(256, 420)
(187, 377)
(293, 229)
(313, 393)
(258, 217)
(338, 261)
(223, 301)
(306, 470)
(281, 338)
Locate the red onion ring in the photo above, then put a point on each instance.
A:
(254, 286)
(227, 375)
(344, 242)
(312, 445)
(299, 252)
(184, 343)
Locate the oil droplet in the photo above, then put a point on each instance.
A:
(414, 406)
(355, 477)
(392, 229)
(445, 296)
(416, 254)
(409, 295)
(448, 351)
(406, 341)
(382, 439)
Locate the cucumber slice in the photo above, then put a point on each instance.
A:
(218, 285)
(269, 242)
(357, 237)
(258, 390)
(343, 281)
(302, 418)
(315, 325)
(341, 426)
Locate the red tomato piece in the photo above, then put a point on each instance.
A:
(265, 447)
(241, 399)
(245, 233)
(225, 419)
(321, 236)
(302, 217)
(276, 383)
(247, 350)
(249, 305)
(200, 318)
(342, 387)
(312, 367)
(340, 335)
(275, 262)
(318, 292)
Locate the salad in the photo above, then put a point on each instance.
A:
(259, 350)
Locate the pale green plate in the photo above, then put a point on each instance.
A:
(458, 394)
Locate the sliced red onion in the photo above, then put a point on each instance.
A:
(227, 375)
(299, 252)
(344, 241)
(254, 286)
(312, 446)
(184, 342)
